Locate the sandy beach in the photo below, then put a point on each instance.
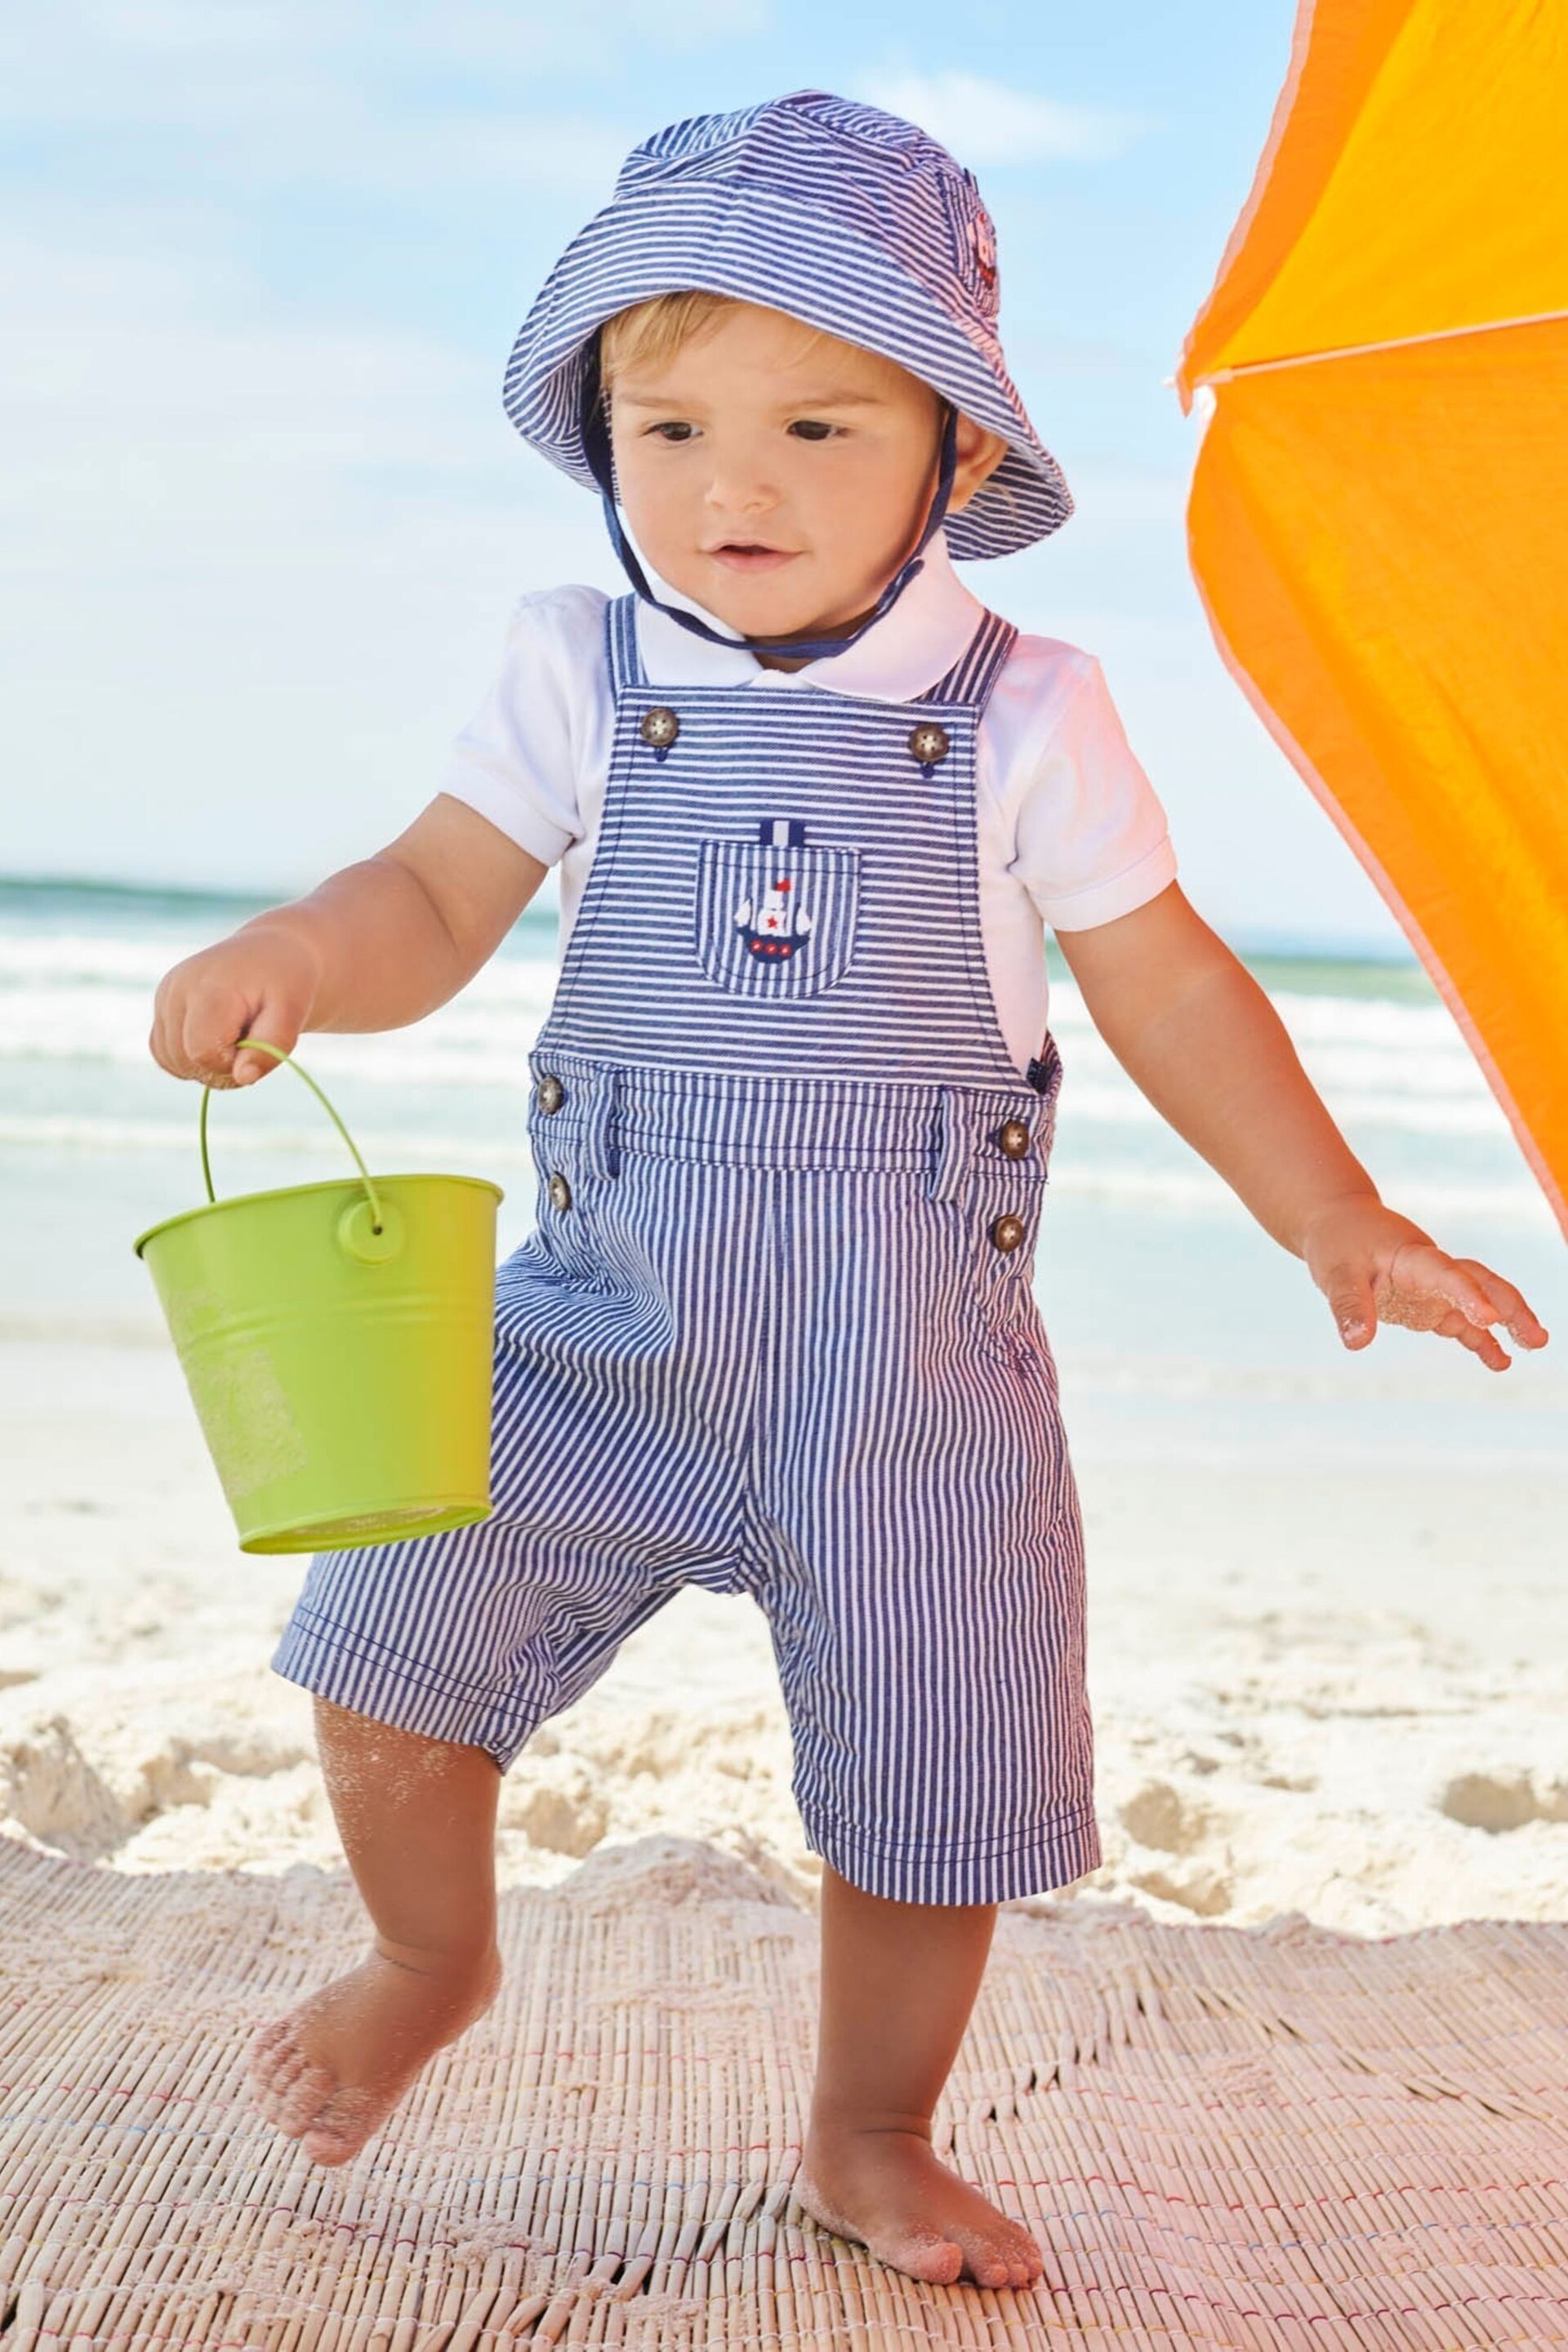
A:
(1334, 1689)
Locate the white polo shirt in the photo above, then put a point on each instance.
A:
(1069, 831)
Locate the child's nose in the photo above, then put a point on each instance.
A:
(738, 492)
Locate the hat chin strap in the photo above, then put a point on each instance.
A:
(596, 447)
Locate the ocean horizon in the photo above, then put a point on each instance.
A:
(1178, 1324)
(37, 896)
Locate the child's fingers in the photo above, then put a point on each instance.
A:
(1421, 1276)
(1352, 1302)
(1509, 1304)
(1484, 1344)
(212, 1028)
(206, 1046)
(167, 1041)
(275, 1026)
(159, 1044)
(1422, 1269)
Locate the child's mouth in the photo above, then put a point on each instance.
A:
(744, 555)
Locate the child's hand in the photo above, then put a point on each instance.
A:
(259, 983)
(1375, 1266)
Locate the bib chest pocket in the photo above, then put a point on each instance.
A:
(776, 916)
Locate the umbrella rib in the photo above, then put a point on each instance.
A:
(1393, 343)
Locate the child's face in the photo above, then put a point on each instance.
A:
(777, 475)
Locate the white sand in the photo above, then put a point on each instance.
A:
(1316, 1690)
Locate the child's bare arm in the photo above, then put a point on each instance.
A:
(376, 945)
(1194, 1030)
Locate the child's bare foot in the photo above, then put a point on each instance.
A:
(329, 2073)
(890, 2192)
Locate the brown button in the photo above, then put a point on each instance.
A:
(560, 1191)
(928, 743)
(660, 727)
(552, 1093)
(1007, 1233)
(1014, 1137)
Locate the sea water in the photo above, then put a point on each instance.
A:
(1180, 1328)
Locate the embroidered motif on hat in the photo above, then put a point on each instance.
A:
(982, 237)
(973, 235)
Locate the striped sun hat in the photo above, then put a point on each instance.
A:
(851, 219)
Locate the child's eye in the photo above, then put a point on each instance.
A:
(675, 430)
(811, 429)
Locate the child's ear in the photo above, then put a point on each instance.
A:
(978, 455)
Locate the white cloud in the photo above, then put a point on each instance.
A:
(240, 104)
(987, 123)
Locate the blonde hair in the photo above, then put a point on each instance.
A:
(649, 333)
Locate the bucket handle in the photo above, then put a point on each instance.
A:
(259, 1045)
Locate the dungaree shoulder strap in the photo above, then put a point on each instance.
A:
(970, 680)
(621, 642)
(968, 684)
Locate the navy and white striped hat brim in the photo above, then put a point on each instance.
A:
(880, 240)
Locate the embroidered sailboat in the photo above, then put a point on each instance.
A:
(774, 926)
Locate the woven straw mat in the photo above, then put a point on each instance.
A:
(1280, 2138)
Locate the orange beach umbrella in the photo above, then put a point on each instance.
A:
(1379, 515)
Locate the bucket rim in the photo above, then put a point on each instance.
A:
(272, 1540)
(299, 1193)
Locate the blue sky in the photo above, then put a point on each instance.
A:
(263, 260)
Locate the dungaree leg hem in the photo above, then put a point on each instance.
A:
(991, 1870)
(333, 1661)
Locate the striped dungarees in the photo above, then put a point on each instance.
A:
(773, 1333)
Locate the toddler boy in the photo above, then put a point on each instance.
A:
(774, 1332)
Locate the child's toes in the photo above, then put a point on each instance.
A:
(920, 2254)
(307, 2097)
(273, 2097)
(287, 2065)
(268, 2040)
(985, 2264)
(340, 2129)
(268, 2103)
(272, 2054)
(1024, 2252)
(941, 2264)
(1009, 2262)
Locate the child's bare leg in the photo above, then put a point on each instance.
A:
(899, 1980)
(417, 1817)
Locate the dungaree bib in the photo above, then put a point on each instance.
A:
(774, 1332)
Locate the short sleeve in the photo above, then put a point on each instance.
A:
(518, 760)
(1092, 840)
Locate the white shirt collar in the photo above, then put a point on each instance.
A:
(906, 652)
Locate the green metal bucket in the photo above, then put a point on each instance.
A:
(337, 1342)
